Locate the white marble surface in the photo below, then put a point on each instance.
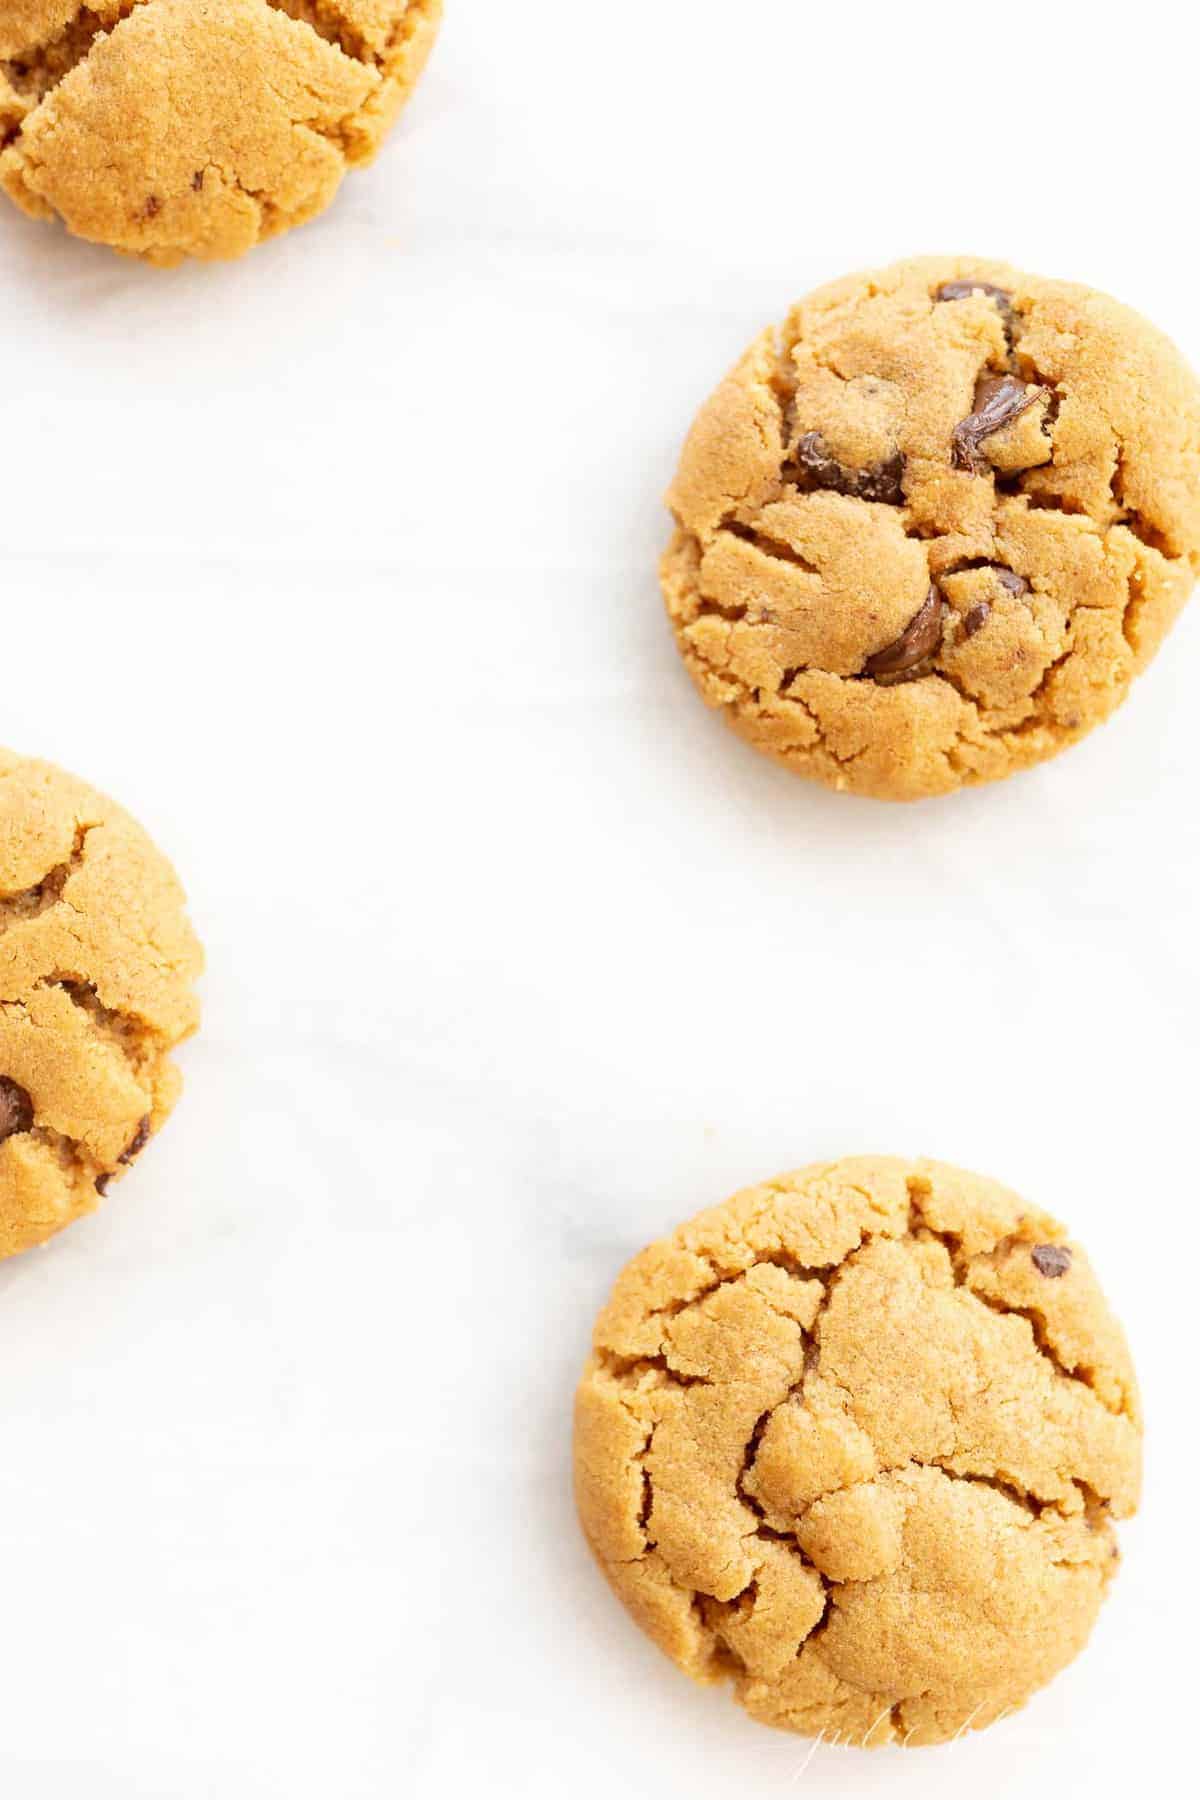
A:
(337, 566)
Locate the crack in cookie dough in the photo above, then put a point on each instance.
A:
(97, 965)
(856, 1440)
(175, 128)
(928, 532)
(48, 891)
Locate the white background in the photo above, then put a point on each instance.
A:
(337, 567)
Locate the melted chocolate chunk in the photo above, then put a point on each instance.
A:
(1016, 584)
(999, 399)
(1051, 1260)
(919, 639)
(16, 1109)
(813, 467)
(133, 1148)
(977, 618)
(141, 1138)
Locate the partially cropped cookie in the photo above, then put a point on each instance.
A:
(855, 1441)
(97, 965)
(176, 128)
(930, 530)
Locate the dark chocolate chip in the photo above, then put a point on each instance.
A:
(16, 1109)
(1010, 581)
(1016, 584)
(140, 1139)
(1051, 1260)
(152, 207)
(813, 467)
(962, 290)
(999, 399)
(198, 182)
(102, 1182)
(919, 639)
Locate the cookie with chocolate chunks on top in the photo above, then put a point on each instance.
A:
(181, 128)
(97, 987)
(929, 531)
(856, 1440)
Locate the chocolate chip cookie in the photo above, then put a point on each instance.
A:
(855, 1441)
(175, 128)
(929, 531)
(97, 964)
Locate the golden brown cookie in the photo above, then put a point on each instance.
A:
(97, 962)
(855, 1440)
(929, 531)
(175, 128)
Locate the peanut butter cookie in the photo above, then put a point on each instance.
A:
(855, 1440)
(175, 128)
(929, 532)
(97, 962)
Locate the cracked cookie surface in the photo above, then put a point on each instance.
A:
(930, 530)
(97, 965)
(176, 128)
(855, 1440)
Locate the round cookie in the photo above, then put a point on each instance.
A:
(175, 128)
(929, 531)
(854, 1440)
(97, 962)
